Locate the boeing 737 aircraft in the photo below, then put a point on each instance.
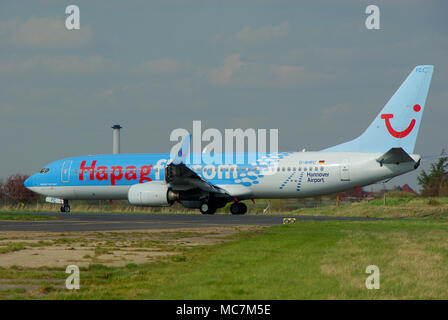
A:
(383, 151)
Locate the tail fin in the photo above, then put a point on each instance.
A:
(398, 123)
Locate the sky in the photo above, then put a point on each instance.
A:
(310, 69)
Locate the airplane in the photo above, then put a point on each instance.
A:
(383, 151)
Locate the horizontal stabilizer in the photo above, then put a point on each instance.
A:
(395, 155)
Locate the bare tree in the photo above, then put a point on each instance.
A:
(2, 192)
(14, 189)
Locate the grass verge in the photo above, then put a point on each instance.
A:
(17, 216)
(307, 260)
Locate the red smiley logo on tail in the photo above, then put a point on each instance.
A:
(405, 132)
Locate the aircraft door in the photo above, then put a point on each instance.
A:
(65, 171)
(345, 170)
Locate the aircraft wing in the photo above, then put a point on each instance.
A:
(395, 155)
(181, 177)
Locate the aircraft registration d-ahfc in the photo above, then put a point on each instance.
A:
(383, 151)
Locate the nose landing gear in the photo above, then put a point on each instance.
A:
(66, 207)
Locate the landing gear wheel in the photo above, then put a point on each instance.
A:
(243, 208)
(65, 208)
(238, 208)
(207, 208)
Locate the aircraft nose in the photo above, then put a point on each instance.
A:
(30, 181)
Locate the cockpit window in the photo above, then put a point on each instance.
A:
(44, 170)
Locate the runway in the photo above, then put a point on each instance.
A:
(66, 222)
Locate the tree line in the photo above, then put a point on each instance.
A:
(12, 190)
(434, 183)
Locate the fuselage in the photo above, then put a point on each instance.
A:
(279, 175)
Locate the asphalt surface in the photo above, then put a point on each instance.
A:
(66, 222)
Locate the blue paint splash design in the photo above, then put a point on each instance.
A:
(266, 161)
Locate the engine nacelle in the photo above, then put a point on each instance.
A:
(152, 194)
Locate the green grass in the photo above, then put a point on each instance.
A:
(17, 216)
(398, 204)
(308, 260)
(17, 246)
(394, 208)
(12, 246)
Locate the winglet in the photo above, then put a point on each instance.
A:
(183, 152)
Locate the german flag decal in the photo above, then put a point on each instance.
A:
(321, 161)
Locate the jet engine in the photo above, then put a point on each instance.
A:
(151, 194)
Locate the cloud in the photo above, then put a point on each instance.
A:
(262, 34)
(249, 35)
(236, 73)
(42, 32)
(221, 76)
(330, 112)
(164, 66)
(57, 64)
(288, 73)
(105, 93)
(6, 108)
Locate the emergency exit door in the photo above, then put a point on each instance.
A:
(345, 170)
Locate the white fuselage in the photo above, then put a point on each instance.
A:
(296, 175)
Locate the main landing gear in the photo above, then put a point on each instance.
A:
(235, 208)
(238, 208)
(207, 208)
(66, 207)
